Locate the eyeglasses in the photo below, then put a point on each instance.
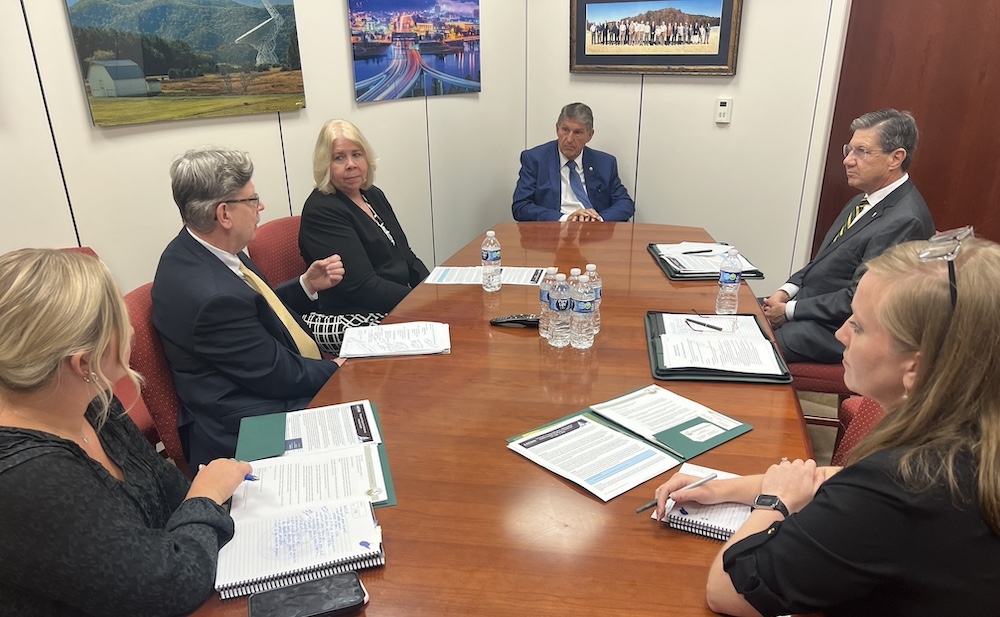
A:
(945, 245)
(859, 152)
(253, 202)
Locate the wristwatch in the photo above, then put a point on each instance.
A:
(770, 502)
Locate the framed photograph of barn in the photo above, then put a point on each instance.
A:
(170, 60)
(689, 37)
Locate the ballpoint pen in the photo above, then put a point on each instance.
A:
(670, 502)
(250, 477)
(703, 324)
(698, 252)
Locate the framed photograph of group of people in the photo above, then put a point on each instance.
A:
(691, 37)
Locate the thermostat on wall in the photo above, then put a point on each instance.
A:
(723, 110)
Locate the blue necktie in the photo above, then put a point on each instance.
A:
(577, 186)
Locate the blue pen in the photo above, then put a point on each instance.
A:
(250, 477)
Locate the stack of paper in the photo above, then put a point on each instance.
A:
(697, 260)
(401, 339)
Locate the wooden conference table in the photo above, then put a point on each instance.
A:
(482, 531)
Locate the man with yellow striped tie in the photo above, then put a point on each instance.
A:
(235, 346)
(807, 310)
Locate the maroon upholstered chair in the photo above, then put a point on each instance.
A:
(859, 415)
(149, 360)
(275, 250)
(86, 250)
(824, 379)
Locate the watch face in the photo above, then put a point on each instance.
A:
(765, 501)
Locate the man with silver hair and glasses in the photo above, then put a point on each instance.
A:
(807, 310)
(564, 180)
(236, 347)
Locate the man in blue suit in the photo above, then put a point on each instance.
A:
(564, 180)
(236, 347)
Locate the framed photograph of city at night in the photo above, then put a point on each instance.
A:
(414, 48)
(690, 37)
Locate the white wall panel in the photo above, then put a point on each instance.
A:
(35, 211)
(475, 139)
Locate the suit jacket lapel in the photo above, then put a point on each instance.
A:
(555, 172)
(589, 175)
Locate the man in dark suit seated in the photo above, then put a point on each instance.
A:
(816, 300)
(236, 347)
(563, 180)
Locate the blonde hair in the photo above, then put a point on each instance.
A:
(953, 410)
(54, 304)
(323, 154)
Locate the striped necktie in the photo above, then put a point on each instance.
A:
(307, 346)
(852, 218)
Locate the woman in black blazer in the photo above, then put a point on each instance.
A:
(346, 214)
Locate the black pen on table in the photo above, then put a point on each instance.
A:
(698, 252)
(703, 324)
(652, 504)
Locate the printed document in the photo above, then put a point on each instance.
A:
(329, 427)
(413, 338)
(473, 275)
(725, 342)
(602, 460)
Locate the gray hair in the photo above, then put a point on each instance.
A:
(578, 112)
(896, 129)
(204, 177)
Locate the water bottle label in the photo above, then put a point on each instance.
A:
(491, 255)
(597, 293)
(543, 296)
(583, 306)
(562, 304)
(728, 278)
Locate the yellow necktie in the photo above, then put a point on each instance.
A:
(852, 218)
(307, 346)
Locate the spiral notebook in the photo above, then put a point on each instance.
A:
(297, 544)
(718, 521)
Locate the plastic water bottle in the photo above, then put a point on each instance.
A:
(730, 275)
(574, 278)
(491, 262)
(543, 300)
(581, 327)
(596, 283)
(560, 307)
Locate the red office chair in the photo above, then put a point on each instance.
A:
(859, 415)
(824, 379)
(86, 250)
(148, 359)
(275, 250)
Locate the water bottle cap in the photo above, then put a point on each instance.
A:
(574, 272)
(584, 278)
(733, 252)
(491, 234)
(591, 267)
(551, 270)
(560, 277)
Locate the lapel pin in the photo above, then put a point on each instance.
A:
(590, 169)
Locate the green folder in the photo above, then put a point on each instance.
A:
(264, 437)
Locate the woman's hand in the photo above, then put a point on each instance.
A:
(674, 489)
(219, 479)
(794, 482)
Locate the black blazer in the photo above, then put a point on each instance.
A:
(378, 275)
(229, 353)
